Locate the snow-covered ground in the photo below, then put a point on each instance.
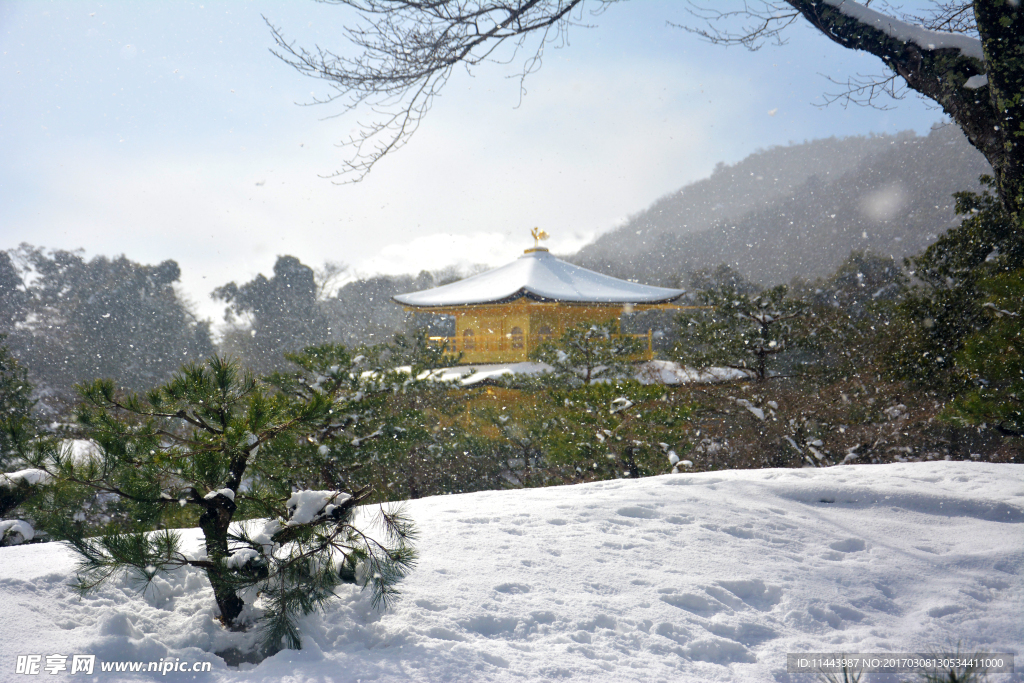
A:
(649, 372)
(689, 577)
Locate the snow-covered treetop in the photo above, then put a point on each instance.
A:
(542, 277)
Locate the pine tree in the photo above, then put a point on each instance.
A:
(21, 447)
(17, 424)
(590, 352)
(994, 359)
(739, 330)
(945, 308)
(609, 430)
(102, 318)
(13, 297)
(416, 350)
(396, 437)
(276, 315)
(211, 448)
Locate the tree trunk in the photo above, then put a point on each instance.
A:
(762, 359)
(1001, 25)
(214, 522)
(631, 466)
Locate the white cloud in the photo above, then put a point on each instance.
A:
(437, 251)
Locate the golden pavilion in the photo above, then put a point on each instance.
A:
(501, 314)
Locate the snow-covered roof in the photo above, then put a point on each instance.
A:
(542, 277)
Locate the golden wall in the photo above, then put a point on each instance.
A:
(506, 333)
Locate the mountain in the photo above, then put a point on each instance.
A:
(780, 213)
(797, 211)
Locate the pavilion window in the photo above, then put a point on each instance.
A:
(544, 333)
(468, 342)
(517, 337)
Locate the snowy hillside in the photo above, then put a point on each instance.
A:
(797, 211)
(705, 577)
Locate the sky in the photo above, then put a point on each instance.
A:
(168, 130)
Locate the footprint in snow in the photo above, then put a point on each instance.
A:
(754, 592)
(848, 545)
(834, 615)
(740, 532)
(600, 621)
(673, 632)
(489, 626)
(719, 651)
(691, 602)
(495, 660)
(993, 583)
(476, 520)
(746, 633)
(676, 519)
(636, 512)
(441, 633)
(944, 610)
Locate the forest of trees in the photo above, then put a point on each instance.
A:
(902, 351)
(917, 328)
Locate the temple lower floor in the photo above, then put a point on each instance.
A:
(507, 333)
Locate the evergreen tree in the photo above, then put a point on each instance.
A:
(738, 330)
(372, 439)
(945, 308)
(588, 419)
(103, 318)
(609, 430)
(860, 280)
(17, 424)
(274, 315)
(718, 277)
(13, 297)
(212, 447)
(21, 447)
(852, 327)
(590, 352)
(421, 355)
(993, 360)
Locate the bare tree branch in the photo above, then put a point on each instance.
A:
(407, 51)
(967, 57)
(751, 27)
(952, 17)
(866, 91)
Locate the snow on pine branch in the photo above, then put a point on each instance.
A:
(306, 506)
(30, 477)
(15, 532)
(227, 493)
